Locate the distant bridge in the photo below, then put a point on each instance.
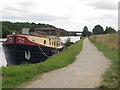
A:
(75, 33)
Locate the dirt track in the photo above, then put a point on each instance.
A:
(85, 72)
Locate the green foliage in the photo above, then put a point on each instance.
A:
(98, 30)
(85, 32)
(5, 32)
(110, 78)
(0, 78)
(10, 27)
(15, 75)
(109, 30)
(68, 42)
(64, 32)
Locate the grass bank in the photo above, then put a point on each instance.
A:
(0, 78)
(110, 78)
(16, 75)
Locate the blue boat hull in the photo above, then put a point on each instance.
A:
(18, 53)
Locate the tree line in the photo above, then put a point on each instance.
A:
(97, 30)
(16, 27)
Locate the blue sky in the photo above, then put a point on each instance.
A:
(67, 14)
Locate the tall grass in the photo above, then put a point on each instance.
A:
(109, 40)
(109, 46)
(14, 76)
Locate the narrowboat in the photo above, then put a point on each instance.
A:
(32, 46)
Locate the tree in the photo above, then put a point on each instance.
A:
(86, 32)
(68, 42)
(109, 30)
(98, 30)
(5, 32)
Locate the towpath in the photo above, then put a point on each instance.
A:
(85, 72)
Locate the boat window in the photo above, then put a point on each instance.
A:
(57, 44)
(44, 41)
(52, 43)
(49, 41)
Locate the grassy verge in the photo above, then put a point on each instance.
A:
(15, 75)
(0, 78)
(110, 78)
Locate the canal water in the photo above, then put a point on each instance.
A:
(63, 39)
(72, 38)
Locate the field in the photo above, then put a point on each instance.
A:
(108, 44)
(15, 75)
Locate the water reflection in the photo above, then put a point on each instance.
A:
(72, 38)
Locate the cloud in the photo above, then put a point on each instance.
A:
(13, 9)
(104, 5)
(33, 17)
(66, 14)
(47, 17)
(19, 7)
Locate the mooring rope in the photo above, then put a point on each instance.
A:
(43, 51)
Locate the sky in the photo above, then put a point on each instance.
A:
(71, 15)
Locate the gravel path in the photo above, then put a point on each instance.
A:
(85, 72)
